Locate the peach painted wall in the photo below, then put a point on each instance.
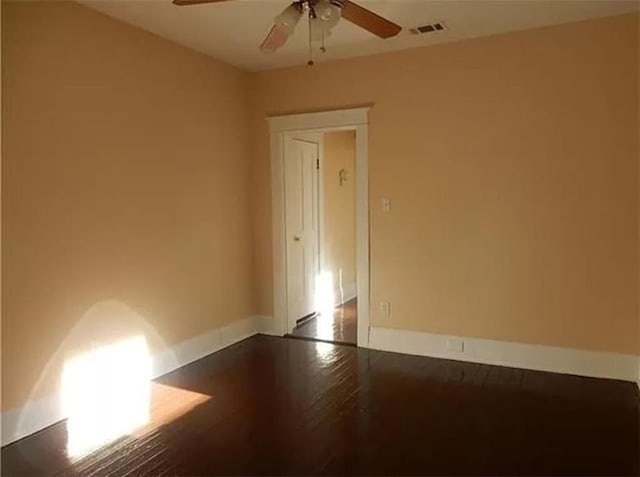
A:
(129, 199)
(125, 190)
(339, 235)
(511, 163)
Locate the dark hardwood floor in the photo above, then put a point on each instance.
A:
(341, 327)
(281, 406)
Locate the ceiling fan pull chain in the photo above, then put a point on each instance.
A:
(310, 62)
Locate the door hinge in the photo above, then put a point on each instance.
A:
(318, 163)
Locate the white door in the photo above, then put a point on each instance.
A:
(301, 226)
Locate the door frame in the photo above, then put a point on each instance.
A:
(356, 119)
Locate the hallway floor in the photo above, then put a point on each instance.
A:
(339, 328)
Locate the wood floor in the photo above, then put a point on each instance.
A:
(342, 327)
(282, 406)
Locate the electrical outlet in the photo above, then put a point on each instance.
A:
(455, 345)
(385, 309)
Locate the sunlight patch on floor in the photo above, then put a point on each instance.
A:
(107, 393)
(169, 403)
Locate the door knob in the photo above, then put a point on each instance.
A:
(297, 238)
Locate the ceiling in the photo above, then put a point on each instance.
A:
(232, 31)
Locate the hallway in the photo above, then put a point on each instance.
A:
(339, 328)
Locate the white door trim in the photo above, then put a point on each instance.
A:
(330, 120)
(346, 119)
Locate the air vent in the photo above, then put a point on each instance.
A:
(428, 28)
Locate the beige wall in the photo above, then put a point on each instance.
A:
(339, 234)
(125, 190)
(129, 199)
(511, 163)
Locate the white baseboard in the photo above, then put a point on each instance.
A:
(32, 417)
(38, 414)
(267, 325)
(202, 345)
(504, 353)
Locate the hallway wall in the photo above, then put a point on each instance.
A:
(339, 235)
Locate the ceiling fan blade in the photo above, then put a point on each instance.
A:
(283, 28)
(369, 21)
(276, 38)
(184, 3)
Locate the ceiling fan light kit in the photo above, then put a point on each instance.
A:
(328, 13)
(323, 16)
(289, 18)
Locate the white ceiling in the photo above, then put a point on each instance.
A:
(232, 31)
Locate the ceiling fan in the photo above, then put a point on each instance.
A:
(323, 15)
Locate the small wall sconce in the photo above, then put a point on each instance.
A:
(343, 175)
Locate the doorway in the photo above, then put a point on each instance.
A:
(301, 249)
(329, 202)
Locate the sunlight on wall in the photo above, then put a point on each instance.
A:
(106, 393)
(325, 305)
(324, 296)
(324, 325)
